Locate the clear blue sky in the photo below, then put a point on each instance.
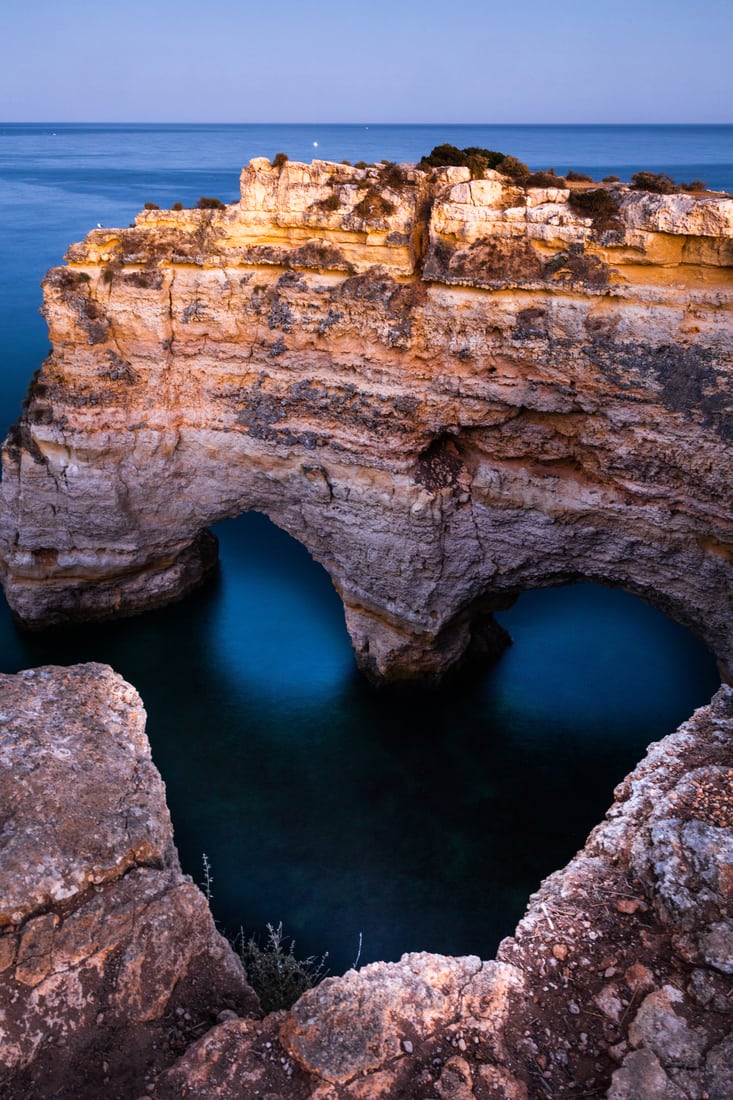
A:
(382, 61)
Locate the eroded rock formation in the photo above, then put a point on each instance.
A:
(448, 389)
(109, 959)
(617, 982)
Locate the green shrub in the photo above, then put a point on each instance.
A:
(450, 156)
(279, 160)
(361, 164)
(492, 158)
(177, 206)
(515, 169)
(477, 166)
(205, 203)
(544, 179)
(610, 179)
(445, 156)
(578, 177)
(694, 185)
(151, 206)
(276, 975)
(657, 182)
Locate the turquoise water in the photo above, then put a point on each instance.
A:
(422, 821)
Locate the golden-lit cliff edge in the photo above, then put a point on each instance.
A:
(447, 389)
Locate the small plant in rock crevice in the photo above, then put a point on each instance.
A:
(277, 976)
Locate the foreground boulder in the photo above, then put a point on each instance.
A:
(109, 959)
(616, 984)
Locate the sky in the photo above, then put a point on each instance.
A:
(477, 61)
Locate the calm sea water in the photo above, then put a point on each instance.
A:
(421, 822)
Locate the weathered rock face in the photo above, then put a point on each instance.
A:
(616, 982)
(448, 389)
(109, 959)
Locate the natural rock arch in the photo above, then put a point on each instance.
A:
(440, 430)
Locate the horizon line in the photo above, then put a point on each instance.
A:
(199, 122)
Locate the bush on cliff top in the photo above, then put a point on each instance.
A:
(545, 179)
(657, 182)
(478, 160)
(450, 156)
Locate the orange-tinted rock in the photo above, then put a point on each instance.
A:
(448, 389)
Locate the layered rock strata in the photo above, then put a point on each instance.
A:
(449, 390)
(616, 984)
(109, 959)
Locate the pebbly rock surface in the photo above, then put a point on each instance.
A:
(616, 984)
(109, 959)
(448, 389)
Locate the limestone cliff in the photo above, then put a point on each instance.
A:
(448, 389)
(616, 983)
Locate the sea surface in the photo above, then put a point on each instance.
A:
(421, 821)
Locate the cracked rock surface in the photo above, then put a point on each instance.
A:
(607, 989)
(109, 958)
(114, 982)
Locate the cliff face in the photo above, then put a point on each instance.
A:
(448, 389)
(616, 982)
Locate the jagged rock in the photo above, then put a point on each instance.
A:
(659, 1028)
(448, 389)
(102, 938)
(114, 982)
(642, 1078)
(419, 998)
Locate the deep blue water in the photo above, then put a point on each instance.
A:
(423, 821)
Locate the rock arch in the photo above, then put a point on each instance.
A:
(440, 431)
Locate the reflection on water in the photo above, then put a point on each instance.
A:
(422, 821)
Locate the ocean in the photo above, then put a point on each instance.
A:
(420, 822)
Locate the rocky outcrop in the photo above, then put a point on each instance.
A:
(109, 960)
(616, 983)
(448, 389)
